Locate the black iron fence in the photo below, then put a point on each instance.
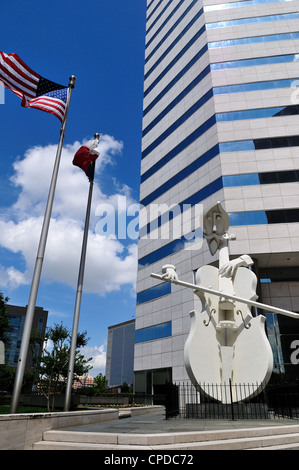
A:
(272, 402)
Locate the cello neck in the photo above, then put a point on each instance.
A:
(223, 253)
(225, 283)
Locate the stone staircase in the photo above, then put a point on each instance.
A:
(263, 438)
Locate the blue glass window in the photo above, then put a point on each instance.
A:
(248, 218)
(215, 44)
(172, 45)
(190, 201)
(279, 59)
(168, 18)
(267, 85)
(259, 144)
(217, 66)
(258, 113)
(275, 216)
(166, 250)
(202, 160)
(242, 87)
(241, 180)
(177, 99)
(270, 177)
(253, 40)
(236, 146)
(163, 330)
(178, 123)
(220, 117)
(172, 63)
(153, 293)
(236, 218)
(244, 3)
(255, 19)
(224, 147)
(158, 16)
(291, 273)
(150, 4)
(287, 176)
(179, 148)
(248, 179)
(154, 9)
(175, 60)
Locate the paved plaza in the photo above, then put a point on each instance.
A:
(156, 423)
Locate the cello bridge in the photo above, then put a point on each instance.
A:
(227, 324)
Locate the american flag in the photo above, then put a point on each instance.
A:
(34, 90)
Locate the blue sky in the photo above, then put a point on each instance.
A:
(102, 44)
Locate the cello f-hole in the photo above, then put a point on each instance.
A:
(205, 322)
(245, 326)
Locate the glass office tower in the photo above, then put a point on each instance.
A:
(16, 316)
(120, 354)
(221, 101)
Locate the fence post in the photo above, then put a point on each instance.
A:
(231, 399)
(171, 400)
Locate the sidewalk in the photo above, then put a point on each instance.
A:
(154, 423)
(152, 432)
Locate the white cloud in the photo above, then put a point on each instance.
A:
(109, 263)
(11, 278)
(98, 355)
(33, 174)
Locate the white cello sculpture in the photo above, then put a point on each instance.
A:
(226, 344)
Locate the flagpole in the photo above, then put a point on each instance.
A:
(71, 367)
(38, 264)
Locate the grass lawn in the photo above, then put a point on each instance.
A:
(5, 409)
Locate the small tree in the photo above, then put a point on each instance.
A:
(125, 388)
(101, 383)
(52, 366)
(4, 320)
(7, 377)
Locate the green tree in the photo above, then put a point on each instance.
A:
(101, 383)
(4, 321)
(52, 366)
(125, 388)
(7, 377)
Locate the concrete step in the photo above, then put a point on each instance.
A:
(294, 446)
(232, 439)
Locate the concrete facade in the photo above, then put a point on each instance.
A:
(220, 124)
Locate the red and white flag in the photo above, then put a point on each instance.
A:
(86, 156)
